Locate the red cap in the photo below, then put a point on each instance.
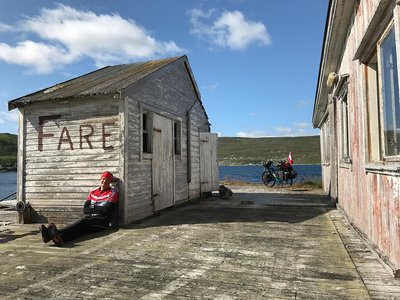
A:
(107, 174)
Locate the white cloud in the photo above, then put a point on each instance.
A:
(43, 58)
(302, 103)
(298, 129)
(252, 134)
(68, 35)
(284, 131)
(230, 29)
(5, 27)
(211, 87)
(302, 125)
(8, 116)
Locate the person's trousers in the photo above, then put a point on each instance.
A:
(88, 224)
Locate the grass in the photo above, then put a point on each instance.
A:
(231, 150)
(242, 151)
(8, 150)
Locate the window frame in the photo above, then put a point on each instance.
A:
(146, 128)
(177, 137)
(384, 156)
(345, 138)
(376, 157)
(324, 138)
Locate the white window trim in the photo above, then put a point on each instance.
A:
(340, 94)
(385, 165)
(381, 108)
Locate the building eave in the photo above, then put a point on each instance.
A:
(339, 16)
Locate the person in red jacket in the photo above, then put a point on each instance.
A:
(98, 207)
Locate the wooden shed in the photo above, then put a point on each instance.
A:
(357, 108)
(144, 122)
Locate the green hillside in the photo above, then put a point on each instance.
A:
(8, 151)
(231, 150)
(239, 151)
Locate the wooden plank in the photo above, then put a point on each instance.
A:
(205, 162)
(70, 164)
(66, 176)
(213, 161)
(21, 160)
(162, 163)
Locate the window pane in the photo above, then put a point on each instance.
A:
(177, 137)
(345, 128)
(145, 143)
(144, 122)
(390, 93)
(146, 137)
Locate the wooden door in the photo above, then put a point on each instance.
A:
(209, 175)
(162, 163)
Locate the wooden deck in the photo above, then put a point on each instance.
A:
(258, 245)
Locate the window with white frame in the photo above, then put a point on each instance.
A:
(344, 126)
(383, 100)
(325, 146)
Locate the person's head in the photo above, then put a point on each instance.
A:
(105, 180)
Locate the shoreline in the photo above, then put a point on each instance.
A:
(260, 165)
(6, 170)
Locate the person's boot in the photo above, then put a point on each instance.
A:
(55, 235)
(45, 234)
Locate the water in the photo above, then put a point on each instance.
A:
(8, 180)
(253, 173)
(8, 184)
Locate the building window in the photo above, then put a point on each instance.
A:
(325, 146)
(390, 95)
(383, 100)
(177, 138)
(146, 137)
(344, 127)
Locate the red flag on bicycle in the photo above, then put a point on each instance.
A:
(290, 159)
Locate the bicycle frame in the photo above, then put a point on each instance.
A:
(273, 175)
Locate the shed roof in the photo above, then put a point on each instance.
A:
(108, 80)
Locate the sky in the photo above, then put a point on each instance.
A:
(255, 62)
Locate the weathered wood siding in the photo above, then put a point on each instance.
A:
(198, 122)
(370, 197)
(208, 162)
(67, 146)
(168, 93)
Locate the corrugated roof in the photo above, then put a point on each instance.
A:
(108, 80)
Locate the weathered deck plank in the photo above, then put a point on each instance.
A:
(271, 249)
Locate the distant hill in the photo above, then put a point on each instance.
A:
(8, 151)
(240, 151)
(231, 150)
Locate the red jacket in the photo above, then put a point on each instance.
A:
(101, 203)
(95, 196)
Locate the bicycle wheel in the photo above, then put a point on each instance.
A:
(268, 179)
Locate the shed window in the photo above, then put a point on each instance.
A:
(177, 137)
(146, 144)
(383, 100)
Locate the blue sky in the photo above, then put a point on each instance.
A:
(255, 61)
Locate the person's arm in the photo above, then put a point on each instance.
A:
(88, 208)
(105, 208)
